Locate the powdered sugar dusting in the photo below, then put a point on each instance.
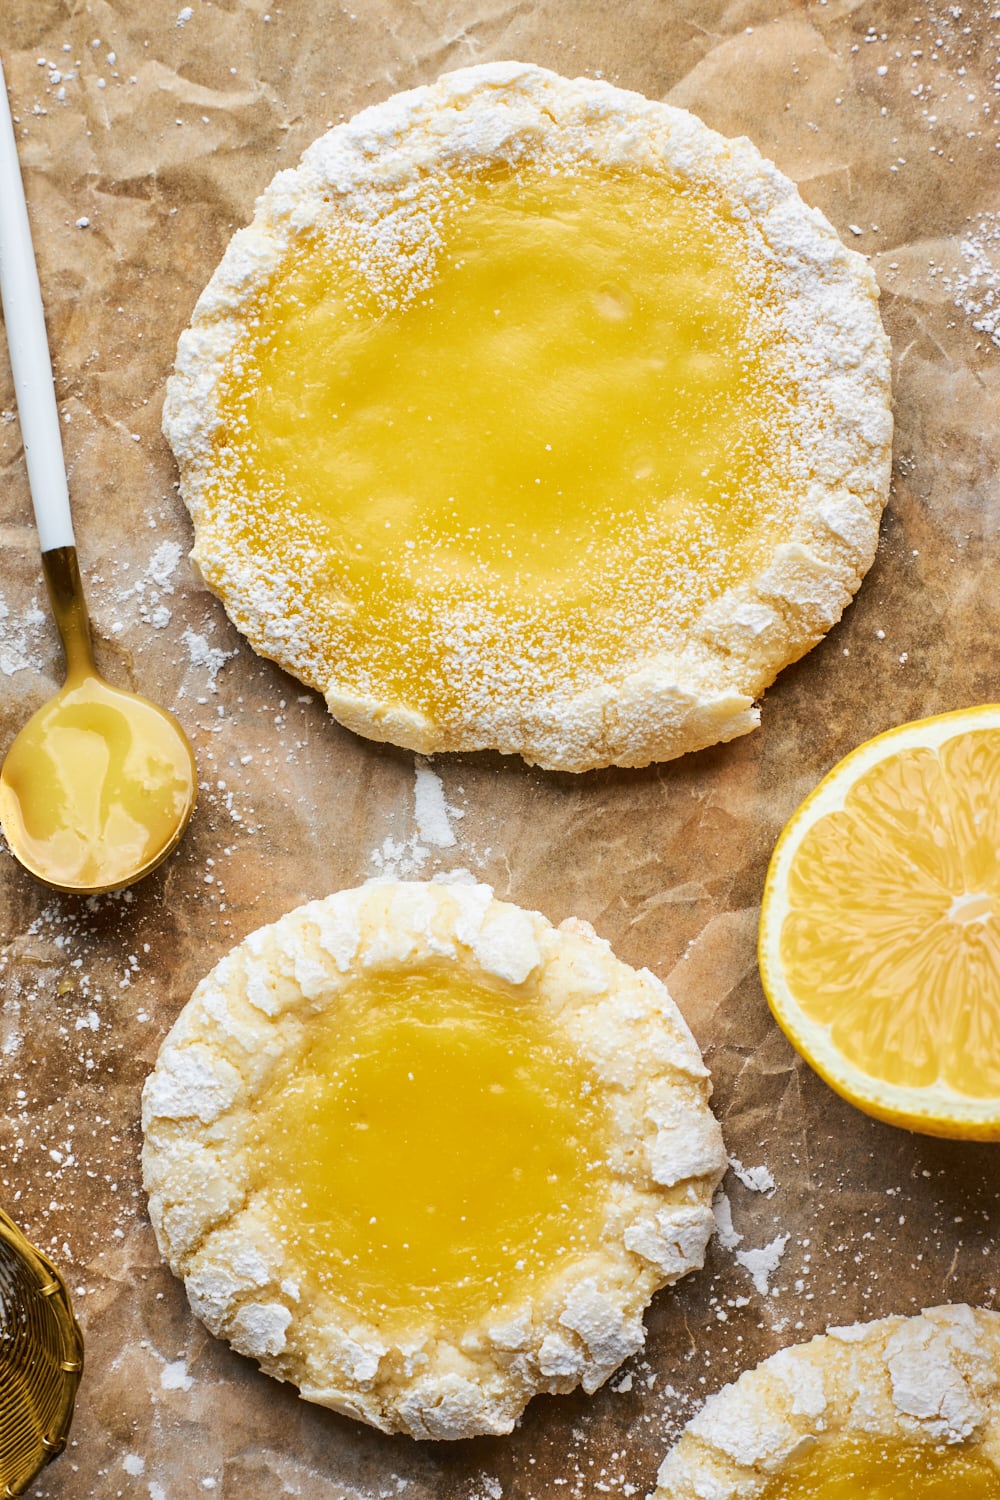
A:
(763, 1262)
(976, 289)
(401, 856)
(431, 811)
(729, 1237)
(19, 636)
(174, 1376)
(666, 663)
(201, 653)
(757, 1179)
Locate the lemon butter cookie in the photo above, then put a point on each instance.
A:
(532, 414)
(424, 1155)
(899, 1409)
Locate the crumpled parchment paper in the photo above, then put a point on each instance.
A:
(146, 130)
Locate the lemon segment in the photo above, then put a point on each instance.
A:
(562, 438)
(433, 1151)
(869, 1468)
(880, 926)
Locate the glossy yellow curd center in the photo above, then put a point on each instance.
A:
(434, 1150)
(560, 433)
(96, 787)
(882, 1469)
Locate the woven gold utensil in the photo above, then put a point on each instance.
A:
(41, 1360)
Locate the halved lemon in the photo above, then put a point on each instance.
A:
(880, 926)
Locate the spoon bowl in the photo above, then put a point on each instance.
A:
(100, 784)
(97, 788)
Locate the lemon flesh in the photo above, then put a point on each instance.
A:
(880, 934)
(538, 453)
(433, 1151)
(865, 1468)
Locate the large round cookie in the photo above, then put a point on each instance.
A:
(532, 414)
(903, 1407)
(425, 1155)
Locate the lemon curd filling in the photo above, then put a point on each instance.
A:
(95, 785)
(540, 433)
(864, 1468)
(432, 1151)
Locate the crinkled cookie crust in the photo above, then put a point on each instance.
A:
(934, 1378)
(665, 1157)
(695, 686)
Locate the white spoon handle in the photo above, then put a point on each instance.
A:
(29, 349)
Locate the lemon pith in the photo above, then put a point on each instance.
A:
(880, 926)
(848, 1468)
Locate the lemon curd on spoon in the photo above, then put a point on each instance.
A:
(432, 1151)
(870, 1468)
(97, 788)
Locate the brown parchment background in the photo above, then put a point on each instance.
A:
(888, 116)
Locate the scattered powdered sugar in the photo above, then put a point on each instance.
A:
(976, 290)
(487, 1488)
(431, 810)
(174, 1376)
(952, 79)
(153, 583)
(757, 1179)
(399, 859)
(727, 1236)
(763, 1263)
(11, 1034)
(201, 653)
(162, 566)
(402, 858)
(134, 1464)
(19, 636)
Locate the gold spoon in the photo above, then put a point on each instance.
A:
(100, 784)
